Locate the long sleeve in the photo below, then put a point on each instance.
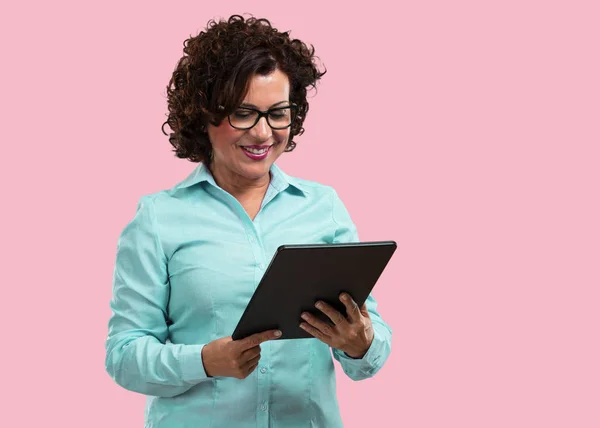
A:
(137, 355)
(379, 351)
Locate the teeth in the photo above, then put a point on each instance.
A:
(256, 151)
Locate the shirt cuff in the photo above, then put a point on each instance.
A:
(370, 361)
(190, 362)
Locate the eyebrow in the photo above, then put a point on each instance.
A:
(273, 105)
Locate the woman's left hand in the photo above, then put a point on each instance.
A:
(352, 334)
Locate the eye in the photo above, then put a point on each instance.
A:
(243, 114)
(280, 113)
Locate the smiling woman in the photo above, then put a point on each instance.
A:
(243, 157)
(189, 261)
(214, 76)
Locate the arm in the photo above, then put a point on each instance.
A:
(376, 356)
(137, 357)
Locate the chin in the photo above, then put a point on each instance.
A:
(254, 172)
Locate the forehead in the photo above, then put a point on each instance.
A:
(264, 91)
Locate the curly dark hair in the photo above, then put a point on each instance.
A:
(211, 80)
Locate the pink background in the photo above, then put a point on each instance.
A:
(468, 131)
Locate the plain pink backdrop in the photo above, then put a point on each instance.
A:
(468, 131)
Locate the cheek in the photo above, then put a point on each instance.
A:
(223, 135)
(282, 135)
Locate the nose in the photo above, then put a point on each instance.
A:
(262, 130)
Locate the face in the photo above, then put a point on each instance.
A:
(232, 160)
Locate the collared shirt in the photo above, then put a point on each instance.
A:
(187, 265)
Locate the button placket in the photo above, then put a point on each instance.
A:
(262, 372)
(253, 239)
(263, 385)
(259, 253)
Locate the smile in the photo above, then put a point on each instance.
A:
(256, 153)
(256, 150)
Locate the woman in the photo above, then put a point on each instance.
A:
(191, 258)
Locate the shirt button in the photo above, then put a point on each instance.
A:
(261, 266)
(263, 407)
(251, 239)
(263, 370)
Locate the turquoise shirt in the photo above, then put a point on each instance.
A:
(187, 265)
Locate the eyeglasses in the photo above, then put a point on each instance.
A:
(244, 118)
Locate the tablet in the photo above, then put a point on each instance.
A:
(300, 275)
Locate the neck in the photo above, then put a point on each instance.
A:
(237, 185)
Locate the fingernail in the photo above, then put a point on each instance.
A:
(344, 296)
(319, 305)
(304, 316)
(277, 333)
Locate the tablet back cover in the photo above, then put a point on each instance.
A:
(299, 275)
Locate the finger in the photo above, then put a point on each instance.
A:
(251, 353)
(258, 338)
(315, 333)
(252, 368)
(365, 311)
(336, 317)
(351, 307)
(252, 362)
(313, 321)
(247, 369)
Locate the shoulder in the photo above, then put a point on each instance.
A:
(323, 193)
(315, 187)
(150, 208)
(311, 188)
(148, 202)
(327, 196)
(320, 192)
(170, 198)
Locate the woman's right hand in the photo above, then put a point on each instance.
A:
(235, 358)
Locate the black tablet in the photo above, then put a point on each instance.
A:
(301, 274)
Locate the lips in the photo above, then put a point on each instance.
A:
(256, 149)
(256, 152)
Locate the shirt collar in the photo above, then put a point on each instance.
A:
(279, 179)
